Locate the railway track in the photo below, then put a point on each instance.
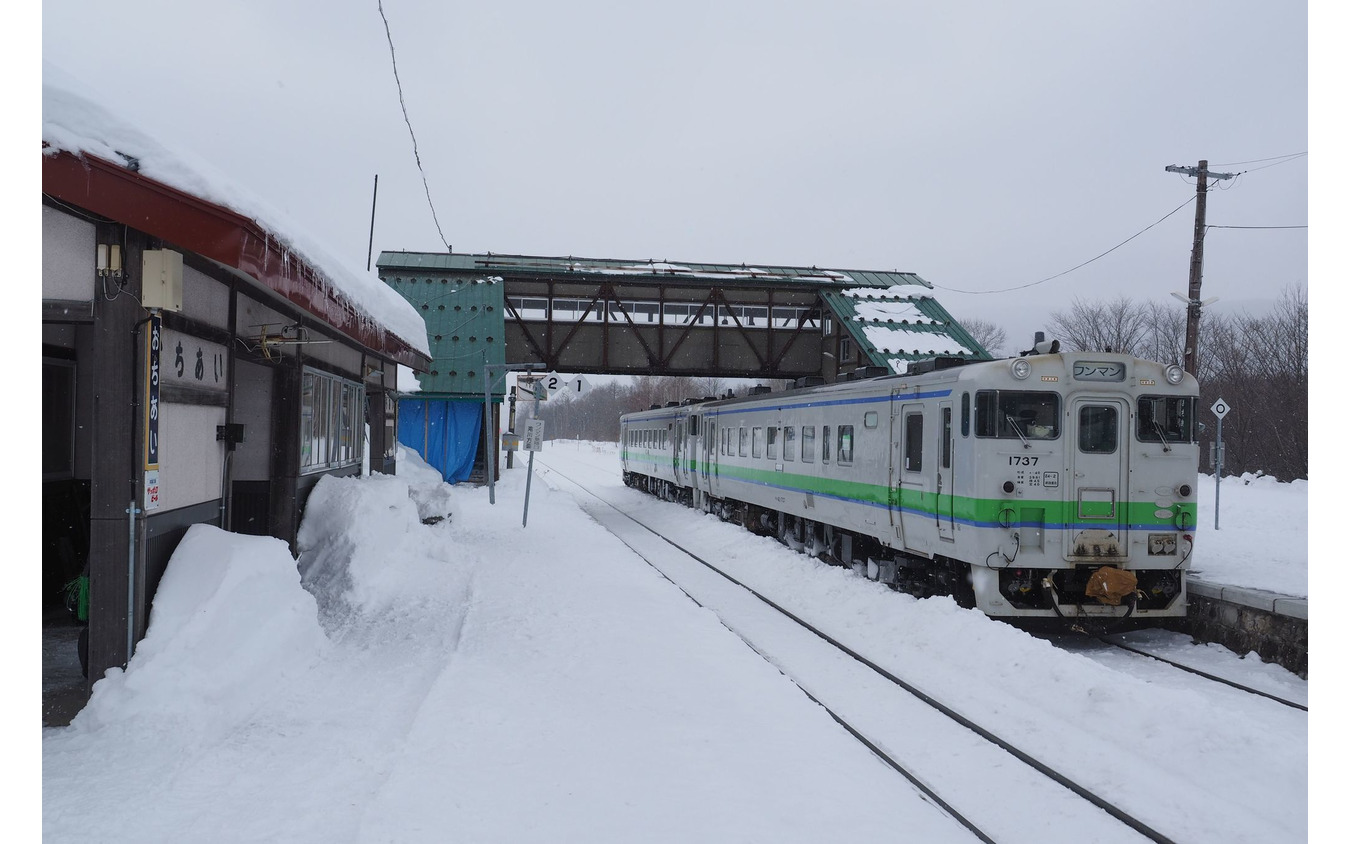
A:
(1190, 669)
(901, 724)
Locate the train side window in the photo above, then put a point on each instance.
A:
(825, 444)
(965, 414)
(808, 443)
(946, 437)
(744, 437)
(693, 426)
(870, 419)
(1097, 429)
(845, 449)
(757, 442)
(789, 443)
(913, 442)
(771, 443)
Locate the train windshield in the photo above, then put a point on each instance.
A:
(1166, 419)
(1017, 414)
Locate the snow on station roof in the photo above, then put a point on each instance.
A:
(93, 160)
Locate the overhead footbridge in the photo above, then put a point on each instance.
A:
(619, 317)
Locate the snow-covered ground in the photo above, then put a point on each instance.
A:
(1261, 541)
(475, 680)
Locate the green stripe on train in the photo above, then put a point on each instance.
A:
(1050, 512)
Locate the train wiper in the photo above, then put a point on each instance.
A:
(1013, 422)
(1167, 446)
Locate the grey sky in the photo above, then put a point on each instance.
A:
(981, 145)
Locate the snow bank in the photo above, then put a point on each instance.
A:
(1261, 541)
(230, 621)
(434, 497)
(363, 545)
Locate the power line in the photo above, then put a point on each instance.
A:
(1258, 227)
(1280, 158)
(404, 106)
(1080, 266)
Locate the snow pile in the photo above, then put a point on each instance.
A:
(363, 545)
(426, 486)
(229, 623)
(72, 122)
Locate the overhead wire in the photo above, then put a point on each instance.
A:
(1071, 269)
(1279, 159)
(416, 156)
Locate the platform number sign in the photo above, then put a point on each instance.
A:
(1220, 408)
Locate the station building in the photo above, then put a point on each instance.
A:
(202, 362)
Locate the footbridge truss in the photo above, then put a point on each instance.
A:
(620, 317)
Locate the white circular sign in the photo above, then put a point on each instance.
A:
(1219, 408)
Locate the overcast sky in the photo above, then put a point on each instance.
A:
(982, 145)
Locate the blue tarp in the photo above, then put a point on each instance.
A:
(444, 432)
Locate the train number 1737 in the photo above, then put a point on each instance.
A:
(1021, 460)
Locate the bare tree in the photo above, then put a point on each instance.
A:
(986, 333)
(1116, 326)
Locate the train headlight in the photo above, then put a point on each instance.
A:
(1174, 374)
(1021, 368)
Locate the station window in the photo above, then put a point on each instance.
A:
(789, 443)
(331, 423)
(58, 419)
(845, 449)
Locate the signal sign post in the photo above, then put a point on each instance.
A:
(534, 441)
(1220, 409)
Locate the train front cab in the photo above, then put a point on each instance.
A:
(1092, 480)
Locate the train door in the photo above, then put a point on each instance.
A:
(946, 501)
(911, 512)
(1099, 465)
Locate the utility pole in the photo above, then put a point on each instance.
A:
(1193, 303)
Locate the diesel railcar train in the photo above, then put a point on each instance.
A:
(1048, 486)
